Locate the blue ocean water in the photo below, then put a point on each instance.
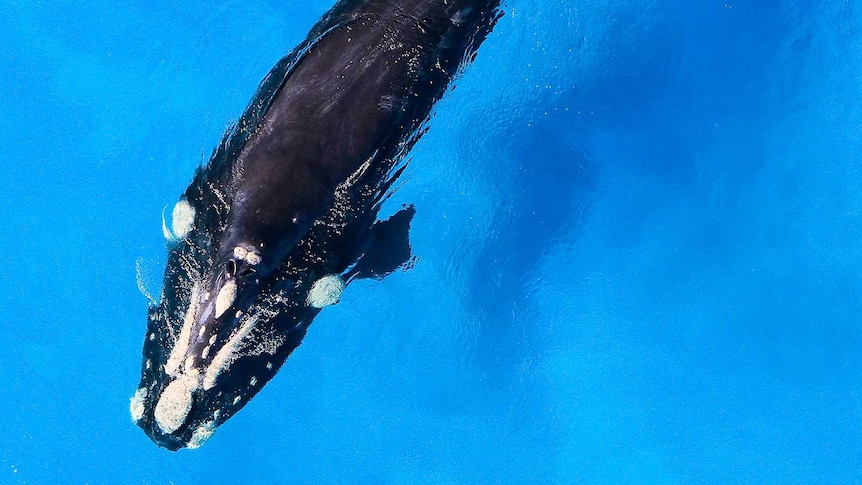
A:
(638, 226)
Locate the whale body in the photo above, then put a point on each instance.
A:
(285, 213)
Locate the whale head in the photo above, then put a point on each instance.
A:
(199, 372)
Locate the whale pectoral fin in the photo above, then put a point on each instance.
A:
(388, 247)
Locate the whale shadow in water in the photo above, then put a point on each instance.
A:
(542, 204)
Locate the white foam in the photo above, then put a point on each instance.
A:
(144, 281)
(226, 297)
(175, 403)
(137, 404)
(326, 291)
(165, 231)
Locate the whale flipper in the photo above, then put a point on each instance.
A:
(388, 247)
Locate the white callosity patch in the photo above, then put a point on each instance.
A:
(137, 404)
(202, 434)
(225, 298)
(325, 291)
(227, 354)
(175, 403)
(182, 219)
(250, 256)
(182, 343)
(246, 340)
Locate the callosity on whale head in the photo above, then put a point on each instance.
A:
(285, 214)
(223, 329)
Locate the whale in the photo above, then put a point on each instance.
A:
(286, 212)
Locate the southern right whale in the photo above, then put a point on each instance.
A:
(284, 214)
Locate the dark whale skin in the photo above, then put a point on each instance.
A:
(287, 206)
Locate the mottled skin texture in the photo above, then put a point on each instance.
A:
(299, 182)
